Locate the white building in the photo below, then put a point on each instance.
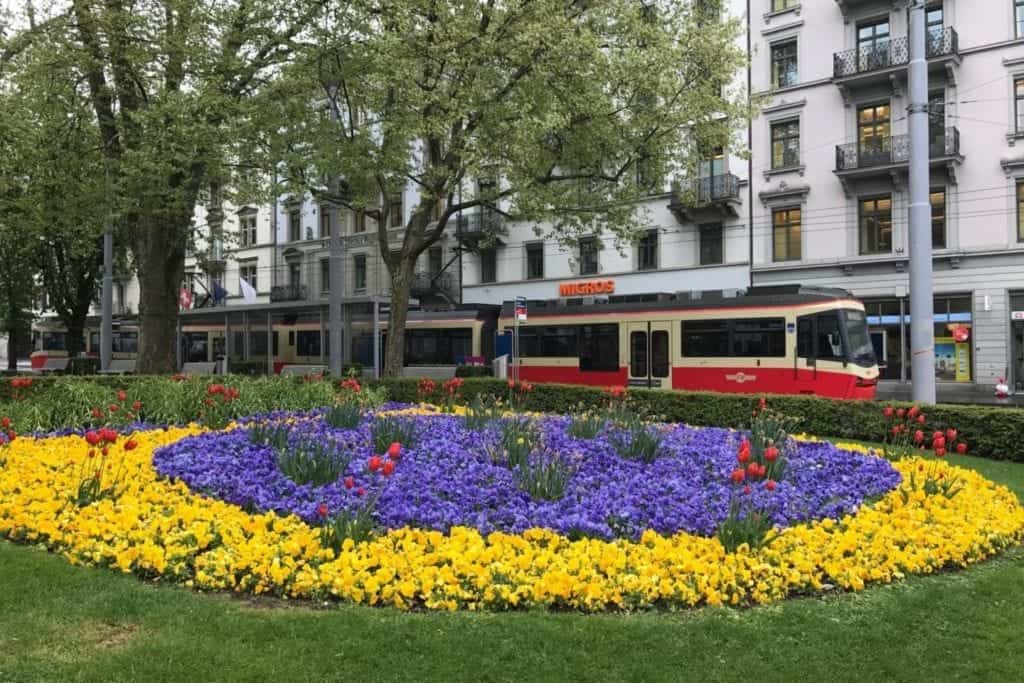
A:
(830, 152)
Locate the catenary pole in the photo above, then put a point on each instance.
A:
(336, 263)
(922, 328)
(107, 297)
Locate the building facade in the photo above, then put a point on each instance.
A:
(831, 150)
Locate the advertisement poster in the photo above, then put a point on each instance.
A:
(952, 360)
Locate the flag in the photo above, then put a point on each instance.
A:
(248, 293)
(185, 298)
(219, 293)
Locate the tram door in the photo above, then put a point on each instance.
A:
(650, 354)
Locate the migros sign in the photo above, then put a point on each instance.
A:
(587, 288)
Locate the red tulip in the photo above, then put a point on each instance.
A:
(121, 395)
(5, 422)
(937, 435)
(130, 445)
(770, 484)
(895, 430)
(939, 443)
(360, 492)
(920, 419)
(511, 384)
(97, 413)
(105, 450)
(961, 448)
(113, 407)
(746, 490)
(375, 463)
(951, 434)
(901, 413)
(737, 476)
(137, 406)
(11, 436)
(918, 436)
(92, 438)
(771, 454)
(914, 410)
(321, 510)
(395, 450)
(349, 482)
(888, 412)
(388, 468)
(940, 452)
(743, 457)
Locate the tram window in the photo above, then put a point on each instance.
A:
(805, 337)
(705, 338)
(55, 341)
(529, 342)
(830, 340)
(599, 348)
(759, 337)
(258, 343)
(307, 343)
(125, 342)
(558, 342)
(638, 354)
(659, 353)
(437, 347)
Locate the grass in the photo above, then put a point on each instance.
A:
(59, 622)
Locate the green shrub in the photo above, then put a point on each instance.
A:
(473, 371)
(83, 365)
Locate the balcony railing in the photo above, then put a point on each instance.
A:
(478, 223)
(893, 52)
(712, 189)
(425, 284)
(292, 292)
(893, 150)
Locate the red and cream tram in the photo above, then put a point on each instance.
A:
(782, 340)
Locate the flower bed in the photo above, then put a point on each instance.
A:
(154, 526)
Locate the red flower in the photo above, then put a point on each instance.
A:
(762, 403)
(951, 434)
(395, 450)
(743, 457)
(215, 389)
(771, 454)
(901, 413)
(753, 470)
(97, 413)
(888, 412)
(11, 436)
(5, 422)
(208, 401)
(388, 468)
(360, 492)
(130, 445)
(321, 510)
(92, 438)
(349, 482)
(937, 435)
(374, 463)
(746, 490)
(940, 452)
(137, 406)
(737, 475)
(918, 436)
(920, 418)
(770, 484)
(121, 395)
(939, 443)
(914, 410)
(105, 450)
(895, 429)
(961, 448)
(511, 384)
(112, 407)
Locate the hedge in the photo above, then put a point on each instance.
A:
(58, 402)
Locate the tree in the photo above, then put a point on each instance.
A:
(167, 81)
(563, 104)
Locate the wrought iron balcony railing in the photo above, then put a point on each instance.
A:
(703, 191)
(885, 54)
(478, 223)
(292, 292)
(893, 150)
(424, 284)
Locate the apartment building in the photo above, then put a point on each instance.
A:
(830, 176)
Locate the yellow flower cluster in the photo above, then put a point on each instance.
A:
(158, 528)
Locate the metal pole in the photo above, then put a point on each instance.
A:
(177, 346)
(335, 263)
(376, 338)
(270, 347)
(922, 321)
(227, 344)
(321, 329)
(107, 300)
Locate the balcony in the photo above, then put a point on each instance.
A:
(891, 157)
(714, 194)
(472, 227)
(292, 292)
(887, 60)
(442, 285)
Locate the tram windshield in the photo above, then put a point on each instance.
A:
(859, 346)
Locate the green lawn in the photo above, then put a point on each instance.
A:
(63, 623)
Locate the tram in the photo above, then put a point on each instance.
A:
(780, 340)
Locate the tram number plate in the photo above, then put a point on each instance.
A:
(645, 383)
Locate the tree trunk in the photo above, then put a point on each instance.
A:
(76, 336)
(401, 286)
(12, 348)
(161, 263)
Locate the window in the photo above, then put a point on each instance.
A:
(294, 274)
(780, 5)
(247, 271)
(784, 64)
(705, 338)
(55, 341)
(876, 225)
(938, 200)
(558, 342)
(786, 144)
(710, 244)
(1018, 100)
(294, 225)
(873, 46)
(1020, 210)
(599, 348)
(488, 265)
(934, 30)
(258, 343)
(435, 261)
(805, 337)
(1019, 17)
(359, 221)
(307, 343)
(874, 134)
(247, 229)
(937, 123)
(819, 337)
(396, 211)
(588, 256)
(759, 337)
(325, 222)
(786, 237)
(647, 251)
(359, 272)
(325, 275)
(638, 354)
(535, 261)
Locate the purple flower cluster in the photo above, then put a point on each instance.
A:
(449, 478)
